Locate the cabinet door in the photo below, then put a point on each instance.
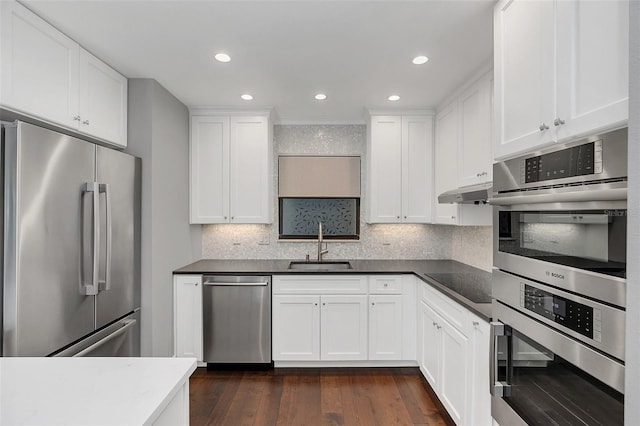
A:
(296, 328)
(593, 66)
(417, 158)
(429, 345)
(480, 410)
(446, 160)
(250, 177)
(39, 67)
(385, 327)
(455, 377)
(524, 76)
(103, 100)
(188, 316)
(385, 169)
(475, 158)
(343, 329)
(209, 184)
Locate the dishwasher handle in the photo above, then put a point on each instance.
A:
(229, 284)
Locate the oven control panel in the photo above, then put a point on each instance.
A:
(578, 317)
(580, 160)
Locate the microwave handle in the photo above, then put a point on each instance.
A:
(498, 388)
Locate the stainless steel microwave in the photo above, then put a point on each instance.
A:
(561, 216)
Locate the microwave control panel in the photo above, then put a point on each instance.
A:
(578, 317)
(580, 160)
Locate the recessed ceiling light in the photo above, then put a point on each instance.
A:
(222, 57)
(394, 98)
(321, 96)
(247, 97)
(419, 60)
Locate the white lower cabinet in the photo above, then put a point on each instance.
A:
(187, 316)
(343, 328)
(385, 327)
(343, 318)
(453, 354)
(296, 327)
(314, 328)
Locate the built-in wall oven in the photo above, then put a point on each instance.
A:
(559, 284)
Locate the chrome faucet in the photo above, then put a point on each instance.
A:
(321, 251)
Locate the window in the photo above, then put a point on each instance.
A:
(299, 218)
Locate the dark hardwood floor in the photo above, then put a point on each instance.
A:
(312, 396)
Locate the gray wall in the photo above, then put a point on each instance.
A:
(380, 241)
(159, 134)
(632, 373)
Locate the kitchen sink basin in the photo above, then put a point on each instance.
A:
(319, 266)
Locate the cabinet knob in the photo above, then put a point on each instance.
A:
(405, 217)
(76, 118)
(323, 303)
(438, 327)
(397, 217)
(373, 304)
(558, 122)
(543, 127)
(435, 323)
(86, 122)
(386, 284)
(476, 323)
(225, 217)
(453, 217)
(315, 304)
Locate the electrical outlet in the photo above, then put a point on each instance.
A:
(264, 238)
(385, 239)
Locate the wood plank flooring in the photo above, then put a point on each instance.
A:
(312, 396)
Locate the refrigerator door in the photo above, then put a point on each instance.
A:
(121, 338)
(48, 212)
(118, 176)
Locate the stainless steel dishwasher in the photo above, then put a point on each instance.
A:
(237, 319)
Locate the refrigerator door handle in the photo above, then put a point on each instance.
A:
(91, 289)
(105, 285)
(127, 325)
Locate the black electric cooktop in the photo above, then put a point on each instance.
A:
(475, 287)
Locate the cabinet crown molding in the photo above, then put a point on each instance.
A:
(230, 111)
(371, 112)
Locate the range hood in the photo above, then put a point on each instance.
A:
(472, 194)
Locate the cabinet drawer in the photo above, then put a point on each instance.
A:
(320, 284)
(385, 284)
(450, 310)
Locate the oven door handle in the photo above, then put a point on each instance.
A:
(607, 192)
(496, 387)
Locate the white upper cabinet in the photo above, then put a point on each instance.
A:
(48, 76)
(40, 67)
(103, 100)
(561, 71)
(446, 159)
(250, 170)
(209, 169)
(475, 158)
(463, 152)
(593, 66)
(399, 164)
(231, 168)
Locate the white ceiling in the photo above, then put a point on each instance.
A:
(284, 52)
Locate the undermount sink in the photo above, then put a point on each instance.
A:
(319, 266)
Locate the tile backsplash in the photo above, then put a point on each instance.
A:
(377, 241)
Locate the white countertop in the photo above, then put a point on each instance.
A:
(89, 391)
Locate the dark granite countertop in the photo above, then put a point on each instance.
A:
(460, 282)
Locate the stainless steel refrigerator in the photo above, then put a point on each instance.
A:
(71, 251)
